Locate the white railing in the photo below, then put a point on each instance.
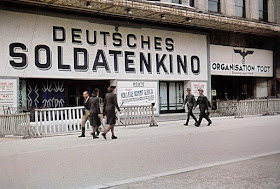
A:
(16, 124)
(59, 120)
(52, 121)
(248, 107)
(274, 105)
(133, 115)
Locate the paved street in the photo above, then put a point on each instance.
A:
(144, 154)
(262, 172)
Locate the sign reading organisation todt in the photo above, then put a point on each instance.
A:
(51, 47)
(236, 61)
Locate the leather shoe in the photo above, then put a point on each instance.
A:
(114, 137)
(94, 136)
(104, 135)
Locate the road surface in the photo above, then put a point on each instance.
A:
(141, 153)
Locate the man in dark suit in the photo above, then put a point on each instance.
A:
(96, 91)
(86, 112)
(110, 106)
(94, 112)
(204, 106)
(190, 101)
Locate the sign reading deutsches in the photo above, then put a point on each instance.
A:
(38, 46)
(236, 61)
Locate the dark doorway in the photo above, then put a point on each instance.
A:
(233, 87)
(75, 89)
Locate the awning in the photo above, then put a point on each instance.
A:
(163, 13)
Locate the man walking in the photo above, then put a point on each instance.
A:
(204, 105)
(190, 101)
(96, 93)
(94, 112)
(86, 113)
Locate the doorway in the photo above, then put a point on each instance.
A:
(75, 89)
(233, 87)
(171, 96)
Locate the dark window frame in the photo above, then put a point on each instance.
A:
(192, 3)
(263, 10)
(243, 8)
(218, 2)
(179, 2)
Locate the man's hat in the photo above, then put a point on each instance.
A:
(200, 89)
(188, 89)
(112, 87)
(94, 92)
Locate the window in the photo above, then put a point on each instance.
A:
(240, 8)
(214, 5)
(263, 10)
(192, 3)
(177, 1)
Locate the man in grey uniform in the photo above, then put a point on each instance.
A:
(190, 101)
(204, 106)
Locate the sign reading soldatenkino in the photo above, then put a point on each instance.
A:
(53, 47)
(236, 61)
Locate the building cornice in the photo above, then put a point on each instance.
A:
(162, 13)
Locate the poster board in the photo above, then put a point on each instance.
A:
(8, 93)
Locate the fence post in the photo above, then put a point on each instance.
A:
(238, 110)
(268, 110)
(153, 122)
(36, 122)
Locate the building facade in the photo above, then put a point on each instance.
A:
(52, 51)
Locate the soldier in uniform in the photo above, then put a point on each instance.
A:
(86, 112)
(190, 101)
(204, 105)
(110, 105)
(94, 111)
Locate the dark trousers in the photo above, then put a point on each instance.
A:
(202, 115)
(190, 113)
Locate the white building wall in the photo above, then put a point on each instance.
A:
(227, 7)
(202, 5)
(253, 10)
(271, 9)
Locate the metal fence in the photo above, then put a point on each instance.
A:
(52, 121)
(133, 115)
(248, 107)
(59, 120)
(16, 124)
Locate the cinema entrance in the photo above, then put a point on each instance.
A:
(171, 96)
(56, 93)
